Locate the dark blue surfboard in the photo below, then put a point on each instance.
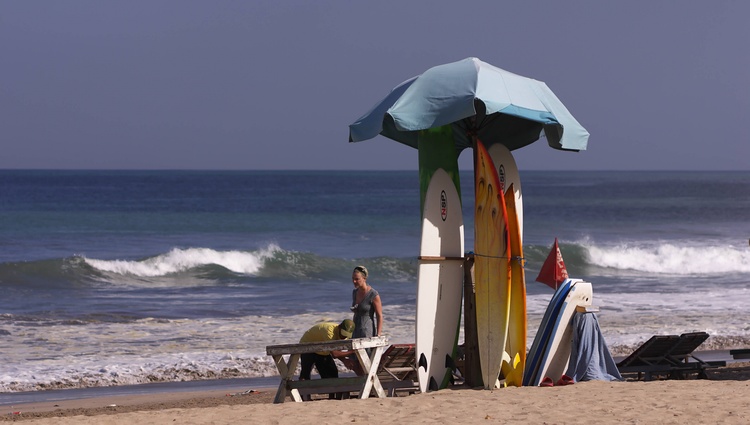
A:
(546, 327)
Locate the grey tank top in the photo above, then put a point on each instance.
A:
(364, 315)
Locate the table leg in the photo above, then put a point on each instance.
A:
(370, 365)
(286, 371)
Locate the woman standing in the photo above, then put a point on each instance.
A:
(366, 305)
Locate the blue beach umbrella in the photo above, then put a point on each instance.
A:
(477, 100)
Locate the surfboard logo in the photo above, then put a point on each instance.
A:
(501, 176)
(443, 206)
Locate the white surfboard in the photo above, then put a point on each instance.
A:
(507, 172)
(440, 282)
(555, 360)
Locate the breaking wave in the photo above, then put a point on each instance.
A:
(670, 258)
(182, 260)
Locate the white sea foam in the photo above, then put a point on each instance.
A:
(672, 258)
(181, 260)
(105, 354)
(148, 350)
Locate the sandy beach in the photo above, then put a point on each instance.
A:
(723, 398)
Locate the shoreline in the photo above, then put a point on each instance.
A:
(229, 385)
(726, 386)
(117, 404)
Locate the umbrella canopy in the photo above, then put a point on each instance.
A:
(478, 100)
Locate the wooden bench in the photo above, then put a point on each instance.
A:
(364, 384)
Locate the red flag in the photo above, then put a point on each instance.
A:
(553, 270)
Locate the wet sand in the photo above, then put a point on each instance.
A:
(722, 398)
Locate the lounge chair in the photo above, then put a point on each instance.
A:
(649, 358)
(682, 351)
(668, 355)
(397, 371)
(740, 353)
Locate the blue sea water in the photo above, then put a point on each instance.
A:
(124, 277)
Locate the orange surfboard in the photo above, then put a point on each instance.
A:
(492, 272)
(515, 344)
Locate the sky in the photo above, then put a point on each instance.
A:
(263, 85)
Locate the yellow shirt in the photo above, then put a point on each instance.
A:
(322, 332)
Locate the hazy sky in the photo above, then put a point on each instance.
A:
(275, 84)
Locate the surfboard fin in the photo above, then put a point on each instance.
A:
(433, 384)
(449, 363)
(423, 361)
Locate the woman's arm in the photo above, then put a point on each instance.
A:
(378, 313)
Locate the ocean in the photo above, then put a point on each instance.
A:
(113, 278)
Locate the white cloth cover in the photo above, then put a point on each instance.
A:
(590, 359)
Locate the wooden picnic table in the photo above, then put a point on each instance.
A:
(364, 384)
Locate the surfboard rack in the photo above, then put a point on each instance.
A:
(451, 364)
(431, 258)
(587, 309)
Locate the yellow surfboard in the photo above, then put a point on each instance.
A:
(515, 344)
(492, 272)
